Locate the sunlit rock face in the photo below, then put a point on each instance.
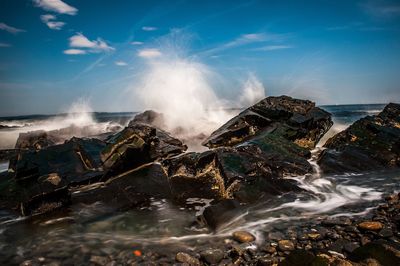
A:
(370, 143)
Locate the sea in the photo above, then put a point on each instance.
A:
(168, 228)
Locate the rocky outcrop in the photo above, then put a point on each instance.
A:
(296, 120)
(136, 145)
(370, 143)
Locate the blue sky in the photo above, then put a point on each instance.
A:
(53, 52)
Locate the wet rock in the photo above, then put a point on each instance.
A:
(336, 221)
(298, 258)
(314, 236)
(136, 145)
(243, 236)
(384, 252)
(37, 140)
(370, 225)
(222, 212)
(99, 260)
(285, 245)
(186, 258)
(386, 232)
(149, 117)
(8, 154)
(296, 120)
(370, 143)
(212, 256)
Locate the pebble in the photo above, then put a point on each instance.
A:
(186, 258)
(285, 245)
(212, 256)
(370, 225)
(99, 260)
(243, 236)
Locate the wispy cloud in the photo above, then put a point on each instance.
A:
(57, 6)
(121, 63)
(4, 45)
(246, 39)
(356, 26)
(5, 27)
(149, 28)
(50, 21)
(272, 47)
(149, 53)
(80, 44)
(136, 43)
(74, 51)
(381, 9)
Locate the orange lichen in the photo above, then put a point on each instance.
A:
(137, 253)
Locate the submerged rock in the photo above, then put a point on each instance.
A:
(296, 120)
(370, 143)
(243, 236)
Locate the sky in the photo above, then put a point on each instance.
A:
(55, 52)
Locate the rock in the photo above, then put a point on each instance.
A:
(99, 260)
(136, 145)
(350, 246)
(314, 236)
(222, 212)
(385, 253)
(386, 233)
(285, 245)
(186, 258)
(36, 140)
(8, 154)
(149, 117)
(270, 250)
(296, 120)
(243, 236)
(370, 225)
(333, 222)
(212, 256)
(370, 143)
(298, 258)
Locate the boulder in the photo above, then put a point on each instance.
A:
(136, 145)
(37, 140)
(296, 120)
(370, 143)
(149, 117)
(386, 253)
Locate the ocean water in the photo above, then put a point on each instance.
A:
(167, 228)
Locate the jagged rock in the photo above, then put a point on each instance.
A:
(40, 179)
(36, 140)
(370, 143)
(8, 154)
(296, 120)
(149, 117)
(128, 190)
(136, 145)
(222, 212)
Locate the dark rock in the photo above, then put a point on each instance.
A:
(386, 232)
(296, 120)
(149, 117)
(370, 143)
(386, 253)
(333, 222)
(8, 154)
(36, 140)
(350, 246)
(243, 236)
(222, 212)
(212, 256)
(136, 145)
(298, 258)
(186, 258)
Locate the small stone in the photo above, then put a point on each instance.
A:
(285, 245)
(314, 236)
(370, 225)
(364, 240)
(186, 258)
(270, 250)
(212, 256)
(350, 247)
(386, 232)
(243, 236)
(99, 260)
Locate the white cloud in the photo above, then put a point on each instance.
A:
(74, 51)
(148, 28)
(57, 6)
(84, 44)
(121, 63)
(272, 47)
(4, 26)
(136, 43)
(50, 21)
(149, 53)
(4, 45)
(381, 9)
